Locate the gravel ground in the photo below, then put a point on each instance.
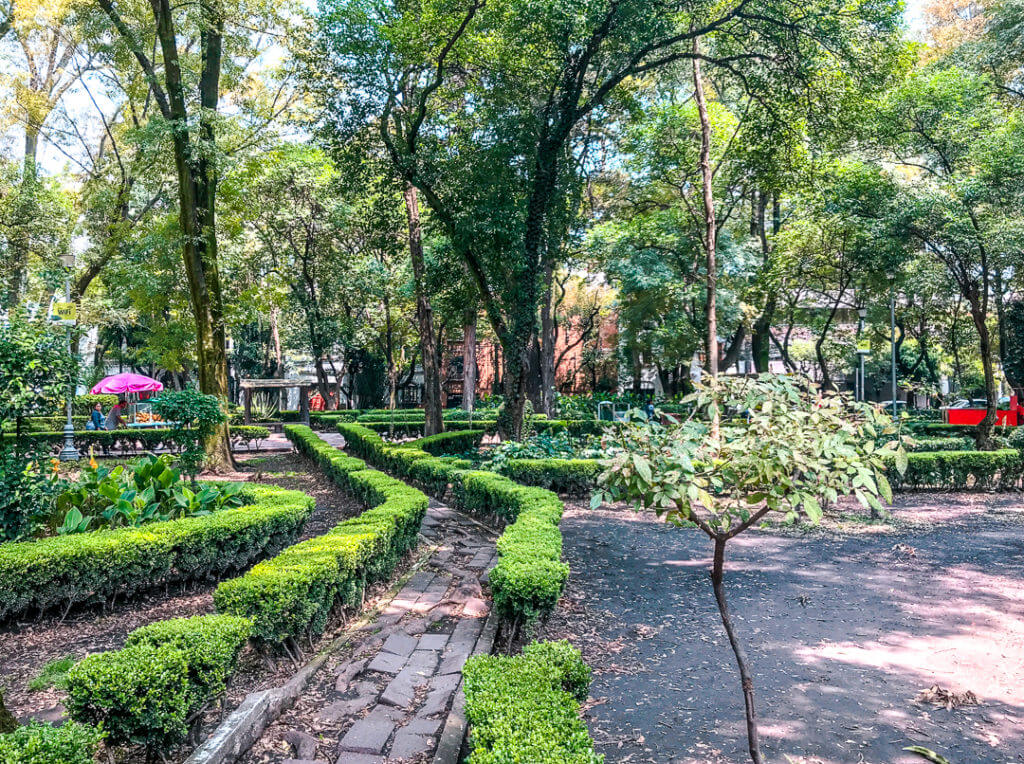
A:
(844, 626)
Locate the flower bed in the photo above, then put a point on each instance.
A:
(98, 566)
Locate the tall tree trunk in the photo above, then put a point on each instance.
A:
(548, 340)
(710, 223)
(19, 245)
(424, 317)
(760, 340)
(469, 360)
(980, 316)
(746, 680)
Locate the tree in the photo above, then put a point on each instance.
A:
(963, 187)
(534, 78)
(188, 105)
(797, 449)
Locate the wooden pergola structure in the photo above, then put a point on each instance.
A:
(246, 386)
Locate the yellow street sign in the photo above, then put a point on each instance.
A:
(864, 346)
(63, 312)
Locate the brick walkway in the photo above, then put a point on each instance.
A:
(387, 698)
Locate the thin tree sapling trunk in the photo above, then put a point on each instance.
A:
(717, 582)
(469, 360)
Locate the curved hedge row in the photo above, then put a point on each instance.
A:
(295, 592)
(39, 743)
(526, 708)
(530, 576)
(100, 565)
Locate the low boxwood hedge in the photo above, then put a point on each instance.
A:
(530, 576)
(248, 435)
(149, 692)
(101, 565)
(575, 477)
(294, 593)
(526, 708)
(128, 440)
(961, 470)
(39, 743)
(927, 443)
(454, 442)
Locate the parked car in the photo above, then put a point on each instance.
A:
(979, 403)
(900, 406)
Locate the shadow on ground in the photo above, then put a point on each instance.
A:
(843, 631)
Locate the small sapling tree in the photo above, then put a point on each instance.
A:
(751, 448)
(194, 418)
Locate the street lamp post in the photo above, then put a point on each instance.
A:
(892, 338)
(69, 453)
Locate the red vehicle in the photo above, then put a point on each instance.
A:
(1011, 416)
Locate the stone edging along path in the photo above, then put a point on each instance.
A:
(389, 689)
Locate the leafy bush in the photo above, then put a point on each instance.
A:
(941, 444)
(961, 470)
(151, 491)
(36, 368)
(574, 477)
(526, 708)
(130, 441)
(28, 491)
(148, 692)
(210, 643)
(38, 743)
(294, 593)
(248, 434)
(196, 416)
(84, 404)
(140, 694)
(449, 442)
(98, 566)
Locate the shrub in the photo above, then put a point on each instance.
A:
(960, 470)
(140, 694)
(83, 404)
(196, 416)
(38, 743)
(98, 566)
(248, 434)
(525, 708)
(455, 442)
(942, 444)
(575, 477)
(148, 692)
(210, 643)
(294, 593)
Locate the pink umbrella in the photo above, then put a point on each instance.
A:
(126, 383)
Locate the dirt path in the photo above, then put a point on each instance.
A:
(843, 630)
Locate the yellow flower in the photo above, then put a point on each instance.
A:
(55, 465)
(92, 459)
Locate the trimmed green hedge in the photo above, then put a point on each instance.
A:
(248, 434)
(575, 477)
(294, 593)
(148, 692)
(530, 576)
(38, 743)
(101, 565)
(941, 444)
(960, 470)
(454, 442)
(128, 440)
(526, 708)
